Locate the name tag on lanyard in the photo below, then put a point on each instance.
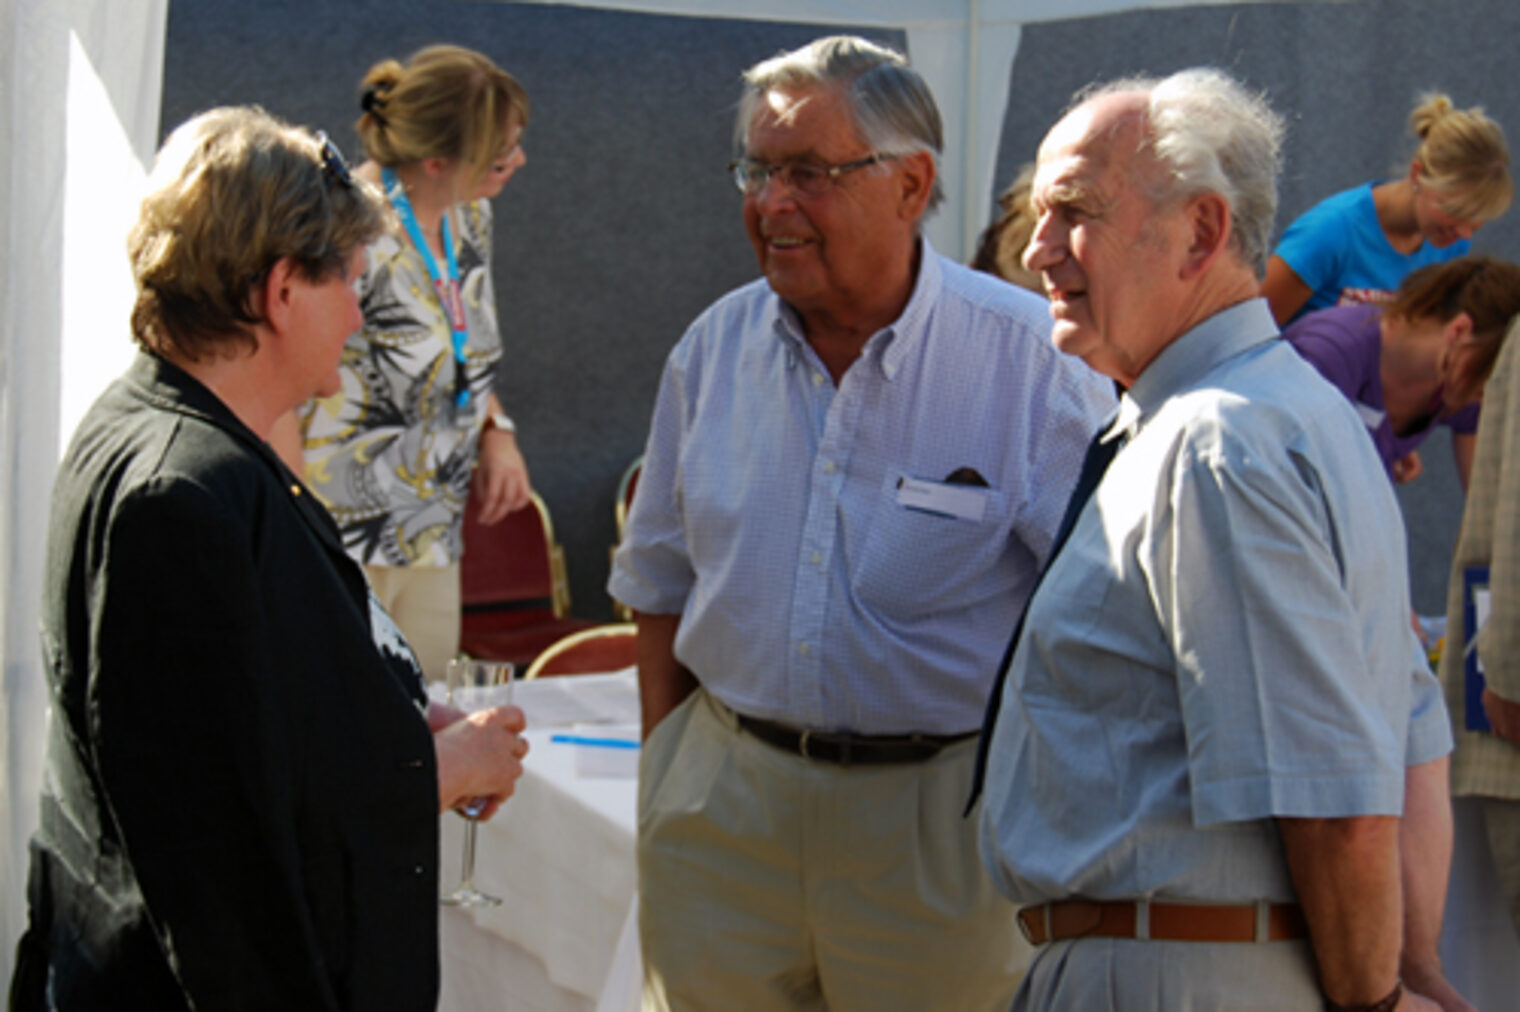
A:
(453, 307)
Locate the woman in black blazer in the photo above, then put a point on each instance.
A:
(243, 774)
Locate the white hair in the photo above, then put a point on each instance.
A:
(1209, 134)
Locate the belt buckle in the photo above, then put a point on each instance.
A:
(1024, 927)
(802, 742)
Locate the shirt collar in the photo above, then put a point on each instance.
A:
(888, 347)
(1193, 355)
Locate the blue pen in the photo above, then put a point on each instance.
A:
(576, 739)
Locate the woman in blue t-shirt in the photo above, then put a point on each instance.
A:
(1359, 244)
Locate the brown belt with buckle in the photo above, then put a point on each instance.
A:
(847, 749)
(1165, 922)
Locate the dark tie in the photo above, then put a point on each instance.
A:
(1100, 454)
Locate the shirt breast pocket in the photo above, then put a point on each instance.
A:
(926, 554)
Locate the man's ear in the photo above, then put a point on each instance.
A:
(1208, 218)
(917, 184)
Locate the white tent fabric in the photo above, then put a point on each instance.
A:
(81, 90)
(80, 118)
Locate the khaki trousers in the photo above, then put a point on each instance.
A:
(1125, 975)
(772, 882)
(424, 601)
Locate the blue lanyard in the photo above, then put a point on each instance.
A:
(447, 288)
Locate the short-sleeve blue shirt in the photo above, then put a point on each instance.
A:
(1223, 640)
(1339, 250)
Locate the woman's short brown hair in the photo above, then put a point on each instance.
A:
(444, 102)
(233, 191)
(1486, 288)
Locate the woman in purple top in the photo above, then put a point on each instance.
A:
(1421, 360)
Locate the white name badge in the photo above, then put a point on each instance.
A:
(964, 502)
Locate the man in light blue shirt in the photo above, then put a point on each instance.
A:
(1203, 748)
(855, 470)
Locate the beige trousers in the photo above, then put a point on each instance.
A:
(424, 601)
(772, 882)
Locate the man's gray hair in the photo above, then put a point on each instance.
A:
(1209, 134)
(892, 105)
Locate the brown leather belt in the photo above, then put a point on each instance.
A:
(1165, 922)
(847, 749)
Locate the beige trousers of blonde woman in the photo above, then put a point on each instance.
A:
(424, 601)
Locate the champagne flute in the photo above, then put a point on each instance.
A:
(475, 685)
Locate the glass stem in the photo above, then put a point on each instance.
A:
(467, 878)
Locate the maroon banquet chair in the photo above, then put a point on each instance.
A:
(627, 485)
(513, 588)
(598, 650)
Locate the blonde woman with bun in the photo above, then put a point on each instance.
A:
(416, 424)
(1356, 246)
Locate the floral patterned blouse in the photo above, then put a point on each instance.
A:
(386, 454)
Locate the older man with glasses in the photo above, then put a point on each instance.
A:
(855, 469)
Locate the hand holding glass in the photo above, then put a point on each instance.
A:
(473, 686)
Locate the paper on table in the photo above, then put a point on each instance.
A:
(580, 699)
(601, 760)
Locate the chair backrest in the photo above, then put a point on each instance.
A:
(627, 485)
(601, 648)
(513, 564)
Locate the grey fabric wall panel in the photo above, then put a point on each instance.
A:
(1346, 76)
(621, 228)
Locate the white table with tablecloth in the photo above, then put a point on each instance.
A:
(560, 854)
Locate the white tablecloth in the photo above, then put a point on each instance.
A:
(560, 854)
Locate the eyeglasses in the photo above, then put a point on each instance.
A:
(333, 165)
(501, 163)
(811, 178)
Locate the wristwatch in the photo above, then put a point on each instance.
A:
(501, 420)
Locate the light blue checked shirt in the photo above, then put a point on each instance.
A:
(1225, 638)
(826, 573)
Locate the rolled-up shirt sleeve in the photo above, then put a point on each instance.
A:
(652, 571)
